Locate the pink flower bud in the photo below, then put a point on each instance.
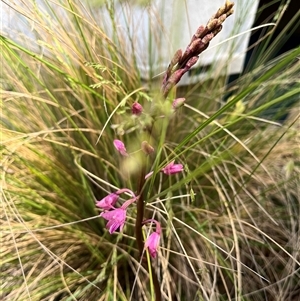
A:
(152, 242)
(200, 31)
(108, 202)
(172, 168)
(176, 58)
(207, 38)
(191, 62)
(119, 145)
(136, 108)
(177, 103)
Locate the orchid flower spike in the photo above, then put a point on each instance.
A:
(119, 145)
(152, 242)
(172, 168)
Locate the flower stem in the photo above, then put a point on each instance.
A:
(140, 213)
(139, 232)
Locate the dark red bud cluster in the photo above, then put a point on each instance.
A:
(181, 63)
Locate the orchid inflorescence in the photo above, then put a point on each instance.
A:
(116, 217)
(152, 123)
(181, 63)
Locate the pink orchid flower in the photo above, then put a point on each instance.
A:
(169, 169)
(152, 242)
(119, 145)
(116, 218)
(172, 168)
(108, 202)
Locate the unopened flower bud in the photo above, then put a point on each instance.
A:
(119, 145)
(221, 19)
(200, 31)
(230, 12)
(176, 58)
(217, 30)
(191, 62)
(136, 108)
(206, 39)
(212, 24)
(172, 81)
(147, 148)
(178, 102)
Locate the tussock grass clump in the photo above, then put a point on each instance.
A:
(230, 219)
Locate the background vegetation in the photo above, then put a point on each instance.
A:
(230, 222)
